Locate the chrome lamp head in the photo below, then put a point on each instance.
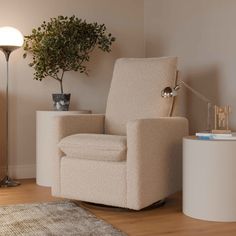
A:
(169, 92)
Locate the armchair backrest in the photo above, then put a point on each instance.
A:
(135, 91)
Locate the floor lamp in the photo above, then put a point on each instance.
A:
(10, 40)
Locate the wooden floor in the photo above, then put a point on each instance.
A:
(167, 220)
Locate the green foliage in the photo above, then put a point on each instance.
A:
(64, 44)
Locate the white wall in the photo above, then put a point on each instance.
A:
(123, 18)
(202, 33)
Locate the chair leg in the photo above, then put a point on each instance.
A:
(155, 205)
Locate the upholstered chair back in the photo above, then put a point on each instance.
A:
(136, 91)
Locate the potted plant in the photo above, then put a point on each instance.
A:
(64, 44)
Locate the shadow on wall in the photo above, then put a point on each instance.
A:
(206, 81)
(92, 90)
(156, 47)
(22, 118)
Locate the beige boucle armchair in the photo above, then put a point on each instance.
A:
(131, 156)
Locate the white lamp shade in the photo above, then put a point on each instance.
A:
(10, 36)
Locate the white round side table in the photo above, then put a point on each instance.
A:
(45, 140)
(209, 179)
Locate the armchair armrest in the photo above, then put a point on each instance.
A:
(65, 125)
(154, 159)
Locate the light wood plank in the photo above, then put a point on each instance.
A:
(27, 192)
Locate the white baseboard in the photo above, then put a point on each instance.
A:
(22, 171)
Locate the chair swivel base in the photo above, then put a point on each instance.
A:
(8, 182)
(98, 206)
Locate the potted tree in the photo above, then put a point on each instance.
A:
(64, 44)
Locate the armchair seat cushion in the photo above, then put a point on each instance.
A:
(99, 147)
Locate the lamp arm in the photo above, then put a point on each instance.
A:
(199, 95)
(202, 97)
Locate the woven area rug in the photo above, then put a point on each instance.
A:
(55, 218)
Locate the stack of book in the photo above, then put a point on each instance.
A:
(211, 136)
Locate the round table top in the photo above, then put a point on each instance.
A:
(195, 138)
(66, 112)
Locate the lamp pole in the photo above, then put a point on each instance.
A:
(10, 40)
(7, 181)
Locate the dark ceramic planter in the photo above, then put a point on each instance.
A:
(61, 101)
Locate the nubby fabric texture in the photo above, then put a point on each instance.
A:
(135, 91)
(99, 147)
(132, 156)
